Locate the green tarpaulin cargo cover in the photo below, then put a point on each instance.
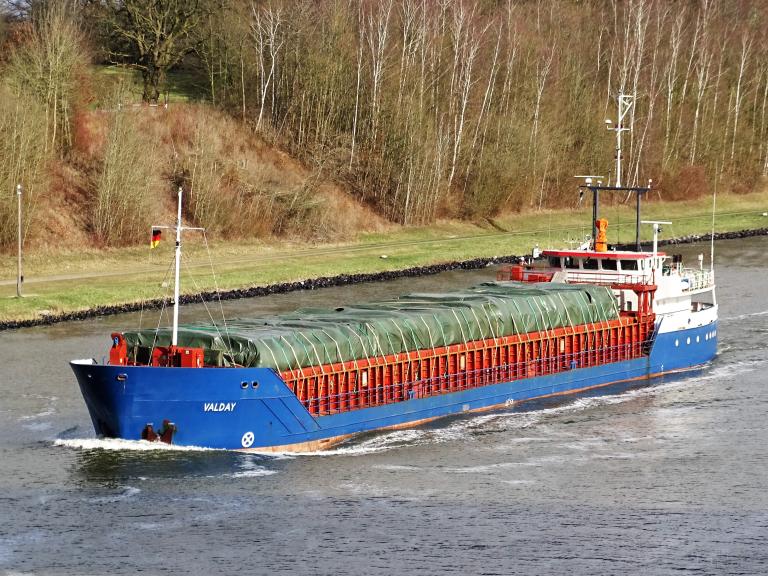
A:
(311, 337)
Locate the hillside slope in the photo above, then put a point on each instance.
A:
(236, 185)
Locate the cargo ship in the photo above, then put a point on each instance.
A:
(557, 322)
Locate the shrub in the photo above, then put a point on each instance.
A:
(23, 159)
(121, 210)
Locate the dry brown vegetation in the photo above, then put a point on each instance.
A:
(126, 163)
(102, 172)
(23, 158)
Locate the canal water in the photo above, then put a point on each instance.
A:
(667, 478)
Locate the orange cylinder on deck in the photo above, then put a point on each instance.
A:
(601, 241)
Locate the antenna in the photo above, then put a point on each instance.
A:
(656, 229)
(588, 184)
(625, 102)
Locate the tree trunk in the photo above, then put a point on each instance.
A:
(151, 76)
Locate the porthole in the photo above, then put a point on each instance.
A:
(243, 384)
(698, 339)
(255, 384)
(677, 342)
(688, 340)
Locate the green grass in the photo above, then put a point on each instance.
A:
(182, 85)
(102, 277)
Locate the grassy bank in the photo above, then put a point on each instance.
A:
(61, 282)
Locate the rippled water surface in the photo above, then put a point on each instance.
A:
(670, 478)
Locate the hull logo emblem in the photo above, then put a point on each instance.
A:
(247, 440)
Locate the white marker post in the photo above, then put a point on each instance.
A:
(19, 273)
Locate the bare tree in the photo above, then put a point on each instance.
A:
(266, 33)
(543, 67)
(120, 212)
(23, 159)
(671, 76)
(46, 65)
(376, 34)
(746, 47)
(160, 33)
(703, 68)
(466, 44)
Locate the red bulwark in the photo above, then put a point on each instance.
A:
(334, 388)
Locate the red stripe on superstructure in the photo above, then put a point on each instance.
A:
(609, 255)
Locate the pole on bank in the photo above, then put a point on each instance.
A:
(19, 273)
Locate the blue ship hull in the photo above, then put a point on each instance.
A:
(211, 408)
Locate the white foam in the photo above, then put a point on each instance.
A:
(253, 473)
(729, 370)
(482, 469)
(745, 316)
(617, 456)
(379, 443)
(461, 429)
(396, 467)
(250, 468)
(43, 414)
(119, 444)
(37, 426)
(529, 439)
(128, 492)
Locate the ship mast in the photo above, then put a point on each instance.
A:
(177, 268)
(625, 102)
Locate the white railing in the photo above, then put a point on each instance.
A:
(696, 279)
(603, 278)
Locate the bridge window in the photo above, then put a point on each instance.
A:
(554, 261)
(571, 262)
(609, 264)
(590, 264)
(629, 264)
